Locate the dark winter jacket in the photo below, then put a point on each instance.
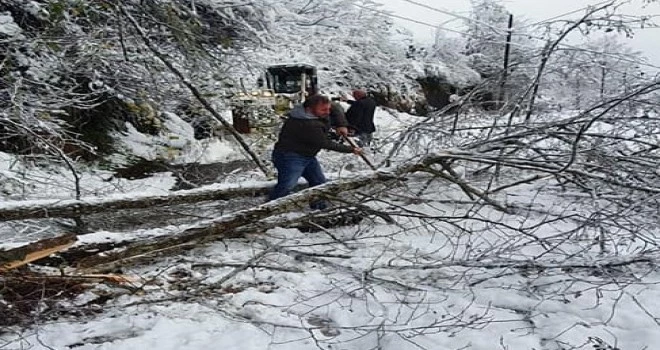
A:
(337, 115)
(360, 115)
(306, 135)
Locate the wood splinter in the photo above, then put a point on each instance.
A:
(23, 255)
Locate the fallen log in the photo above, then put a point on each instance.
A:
(236, 223)
(226, 226)
(76, 208)
(79, 252)
(71, 208)
(16, 257)
(110, 256)
(312, 222)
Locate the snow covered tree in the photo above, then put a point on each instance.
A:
(485, 45)
(75, 72)
(486, 36)
(348, 41)
(604, 66)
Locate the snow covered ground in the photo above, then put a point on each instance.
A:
(372, 286)
(448, 274)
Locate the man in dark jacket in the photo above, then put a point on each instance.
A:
(303, 135)
(360, 116)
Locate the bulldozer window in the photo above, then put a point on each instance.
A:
(287, 84)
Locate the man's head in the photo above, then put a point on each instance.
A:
(358, 94)
(317, 105)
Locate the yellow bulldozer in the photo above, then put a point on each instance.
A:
(279, 89)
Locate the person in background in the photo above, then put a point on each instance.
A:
(360, 116)
(303, 135)
(337, 120)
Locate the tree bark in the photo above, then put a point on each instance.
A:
(73, 208)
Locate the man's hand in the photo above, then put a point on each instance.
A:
(357, 150)
(342, 131)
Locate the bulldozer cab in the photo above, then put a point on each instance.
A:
(294, 81)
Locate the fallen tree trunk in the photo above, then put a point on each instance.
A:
(230, 225)
(226, 226)
(313, 222)
(71, 208)
(16, 257)
(76, 208)
(110, 256)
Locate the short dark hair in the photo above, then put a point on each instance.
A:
(315, 100)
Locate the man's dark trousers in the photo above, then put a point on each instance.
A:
(290, 167)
